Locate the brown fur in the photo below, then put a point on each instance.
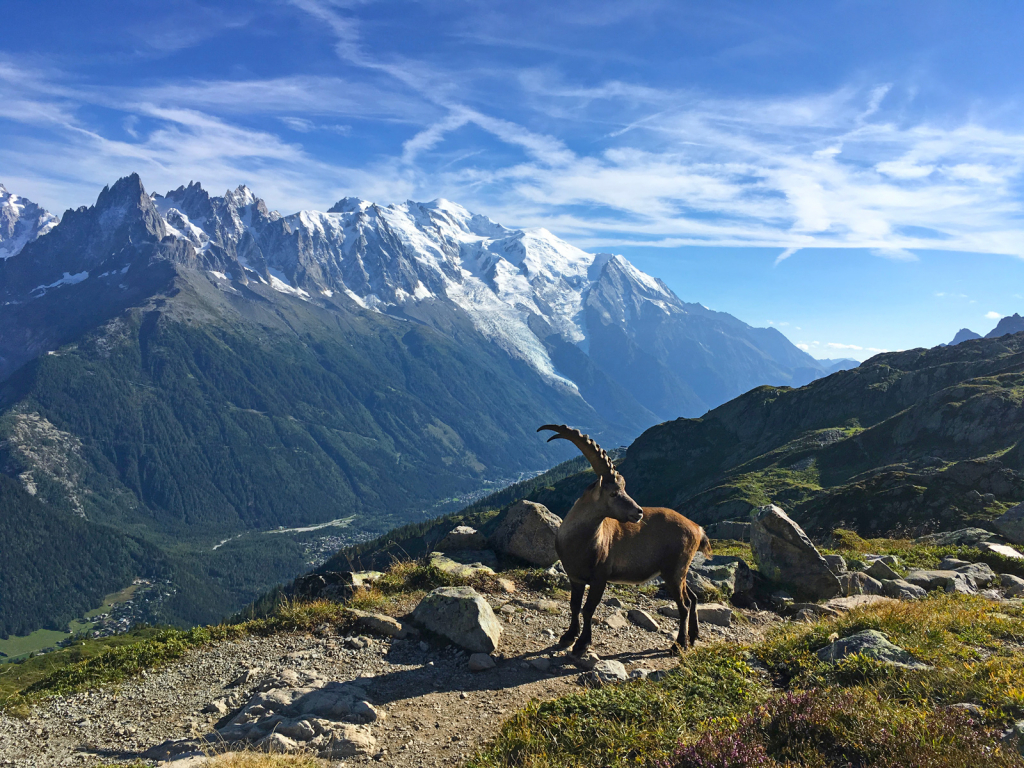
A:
(599, 542)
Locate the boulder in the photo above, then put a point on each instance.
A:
(528, 532)
(718, 614)
(951, 564)
(981, 574)
(902, 590)
(948, 581)
(1011, 524)
(616, 620)
(786, 555)
(365, 578)
(556, 573)
(455, 568)
(462, 537)
(1000, 549)
(879, 570)
(481, 662)
(859, 583)
(737, 530)
(381, 624)
(461, 615)
(333, 585)
(843, 604)
(643, 619)
(1013, 586)
(725, 575)
(669, 609)
(606, 671)
(814, 609)
(965, 537)
(874, 645)
(836, 564)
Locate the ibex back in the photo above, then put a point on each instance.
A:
(608, 537)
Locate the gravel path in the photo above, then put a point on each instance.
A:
(437, 711)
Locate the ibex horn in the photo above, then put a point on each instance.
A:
(591, 451)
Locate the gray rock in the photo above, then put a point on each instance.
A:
(380, 624)
(1013, 586)
(718, 614)
(1000, 549)
(541, 663)
(948, 581)
(218, 707)
(349, 741)
(461, 615)
(481, 662)
(873, 644)
(902, 590)
(616, 621)
(277, 743)
(670, 609)
(365, 712)
(859, 583)
(965, 537)
(981, 574)
(1017, 732)
(557, 574)
(879, 570)
(814, 608)
(951, 564)
(613, 602)
(737, 530)
(528, 532)
(972, 709)
(462, 537)
(843, 604)
(786, 555)
(643, 619)
(365, 578)
(836, 564)
(721, 576)
(455, 568)
(606, 671)
(1011, 524)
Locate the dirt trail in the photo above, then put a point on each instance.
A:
(438, 712)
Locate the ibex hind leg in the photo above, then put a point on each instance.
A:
(678, 593)
(694, 627)
(575, 603)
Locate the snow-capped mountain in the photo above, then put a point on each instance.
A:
(590, 323)
(21, 222)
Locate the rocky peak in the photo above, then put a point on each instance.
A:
(964, 334)
(1012, 324)
(21, 222)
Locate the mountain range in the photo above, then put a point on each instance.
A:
(1010, 324)
(906, 444)
(181, 369)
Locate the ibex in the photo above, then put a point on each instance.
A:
(608, 537)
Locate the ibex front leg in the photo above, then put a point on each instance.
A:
(575, 603)
(593, 600)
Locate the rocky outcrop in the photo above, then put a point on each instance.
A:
(964, 537)
(1011, 524)
(528, 532)
(902, 590)
(879, 570)
(859, 583)
(948, 581)
(461, 615)
(460, 569)
(1013, 586)
(786, 555)
(333, 585)
(737, 530)
(874, 645)
(293, 712)
(718, 577)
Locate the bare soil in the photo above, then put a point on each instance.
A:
(438, 712)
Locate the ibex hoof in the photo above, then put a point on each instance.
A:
(566, 640)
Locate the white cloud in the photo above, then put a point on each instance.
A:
(785, 255)
(994, 315)
(804, 346)
(894, 254)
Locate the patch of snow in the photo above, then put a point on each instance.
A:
(68, 279)
(327, 292)
(221, 275)
(280, 283)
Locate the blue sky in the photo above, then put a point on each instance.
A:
(850, 172)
